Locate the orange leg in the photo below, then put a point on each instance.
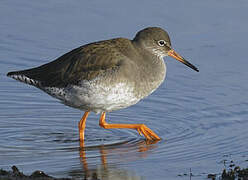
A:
(141, 128)
(81, 125)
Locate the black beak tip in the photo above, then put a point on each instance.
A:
(191, 66)
(196, 69)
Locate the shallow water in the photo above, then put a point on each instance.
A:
(201, 117)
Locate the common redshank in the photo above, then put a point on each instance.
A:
(107, 75)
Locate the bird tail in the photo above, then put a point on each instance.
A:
(22, 77)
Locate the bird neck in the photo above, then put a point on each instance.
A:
(153, 70)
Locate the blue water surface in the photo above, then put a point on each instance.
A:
(202, 117)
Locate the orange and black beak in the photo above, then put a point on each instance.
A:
(175, 55)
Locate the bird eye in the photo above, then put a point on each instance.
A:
(161, 42)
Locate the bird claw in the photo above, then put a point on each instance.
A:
(147, 132)
(139, 131)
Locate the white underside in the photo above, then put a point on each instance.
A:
(92, 96)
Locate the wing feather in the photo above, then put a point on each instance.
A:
(83, 63)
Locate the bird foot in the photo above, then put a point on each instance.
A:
(147, 132)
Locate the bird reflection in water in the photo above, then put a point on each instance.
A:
(115, 154)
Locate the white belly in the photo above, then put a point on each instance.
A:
(93, 96)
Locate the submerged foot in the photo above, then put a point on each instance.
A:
(147, 132)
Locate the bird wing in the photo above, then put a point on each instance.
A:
(83, 63)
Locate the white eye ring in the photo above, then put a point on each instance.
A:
(161, 43)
